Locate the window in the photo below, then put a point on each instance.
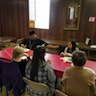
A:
(39, 11)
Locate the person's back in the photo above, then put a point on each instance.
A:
(78, 80)
(40, 71)
(17, 54)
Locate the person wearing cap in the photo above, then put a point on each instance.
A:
(32, 41)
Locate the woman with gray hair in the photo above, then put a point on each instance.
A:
(78, 80)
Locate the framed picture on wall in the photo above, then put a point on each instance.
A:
(73, 10)
(31, 24)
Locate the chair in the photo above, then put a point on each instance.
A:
(59, 93)
(39, 87)
(19, 40)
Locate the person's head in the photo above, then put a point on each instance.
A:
(17, 52)
(39, 52)
(32, 35)
(38, 55)
(72, 44)
(79, 58)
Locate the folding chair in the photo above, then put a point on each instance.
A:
(39, 87)
(59, 93)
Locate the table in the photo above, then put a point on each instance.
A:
(58, 65)
(7, 38)
(5, 41)
(81, 46)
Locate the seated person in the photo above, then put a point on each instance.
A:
(13, 71)
(70, 48)
(41, 71)
(34, 41)
(17, 53)
(78, 80)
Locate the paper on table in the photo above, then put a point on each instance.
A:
(23, 58)
(26, 49)
(66, 59)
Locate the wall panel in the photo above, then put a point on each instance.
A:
(14, 17)
(14, 20)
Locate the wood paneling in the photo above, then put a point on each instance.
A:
(14, 20)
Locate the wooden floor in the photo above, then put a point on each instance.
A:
(3, 92)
